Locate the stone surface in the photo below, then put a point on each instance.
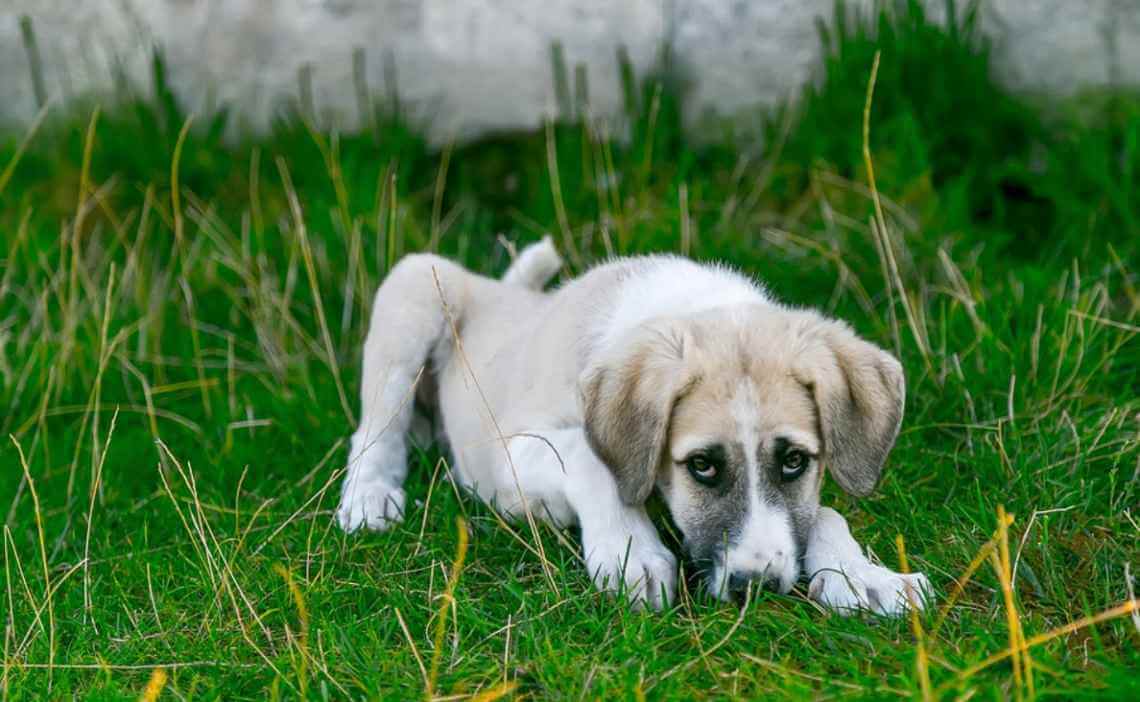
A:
(468, 67)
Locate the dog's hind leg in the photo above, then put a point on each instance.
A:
(408, 327)
(535, 266)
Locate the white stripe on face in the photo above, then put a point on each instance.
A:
(765, 547)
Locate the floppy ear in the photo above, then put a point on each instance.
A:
(628, 395)
(860, 392)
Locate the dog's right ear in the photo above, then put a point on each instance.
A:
(628, 395)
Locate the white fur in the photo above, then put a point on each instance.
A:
(555, 474)
(511, 406)
(535, 266)
(845, 580)
(675, 287)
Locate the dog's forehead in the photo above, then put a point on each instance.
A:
(727, 405)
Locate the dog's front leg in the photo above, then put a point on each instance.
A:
(620, 545)
(845, 580)
(623, 551)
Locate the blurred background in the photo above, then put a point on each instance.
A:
(465, 68)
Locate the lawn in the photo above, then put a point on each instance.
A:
(182, 312)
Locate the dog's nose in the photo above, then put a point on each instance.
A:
(738, 581)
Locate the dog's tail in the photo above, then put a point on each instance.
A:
(534, 266)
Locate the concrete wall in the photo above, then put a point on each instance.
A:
(470, 66)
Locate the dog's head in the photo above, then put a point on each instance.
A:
(734, 416)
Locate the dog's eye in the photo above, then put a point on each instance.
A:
(793, 464)
(703, 470)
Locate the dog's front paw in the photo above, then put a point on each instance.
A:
(375, 504)
(643, 568)
(869, 587)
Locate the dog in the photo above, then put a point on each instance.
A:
(646, 373)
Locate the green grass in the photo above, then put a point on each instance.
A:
(166, 375)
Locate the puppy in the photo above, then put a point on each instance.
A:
(652, 373)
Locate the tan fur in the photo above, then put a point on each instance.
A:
(860, 392)
(574, 405)
(813, 375)
(704, 410)
(627, 400)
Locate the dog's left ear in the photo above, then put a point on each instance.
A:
(628, 394)
(860, 392)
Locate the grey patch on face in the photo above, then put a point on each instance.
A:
(802, 516)
(798, 498)
(725, 509)
(721, 511)
(717, 519)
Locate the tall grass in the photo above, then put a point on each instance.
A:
(180, 325)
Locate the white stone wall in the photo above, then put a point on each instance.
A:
(472, 66)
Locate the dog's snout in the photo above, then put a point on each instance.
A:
(739, 580)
